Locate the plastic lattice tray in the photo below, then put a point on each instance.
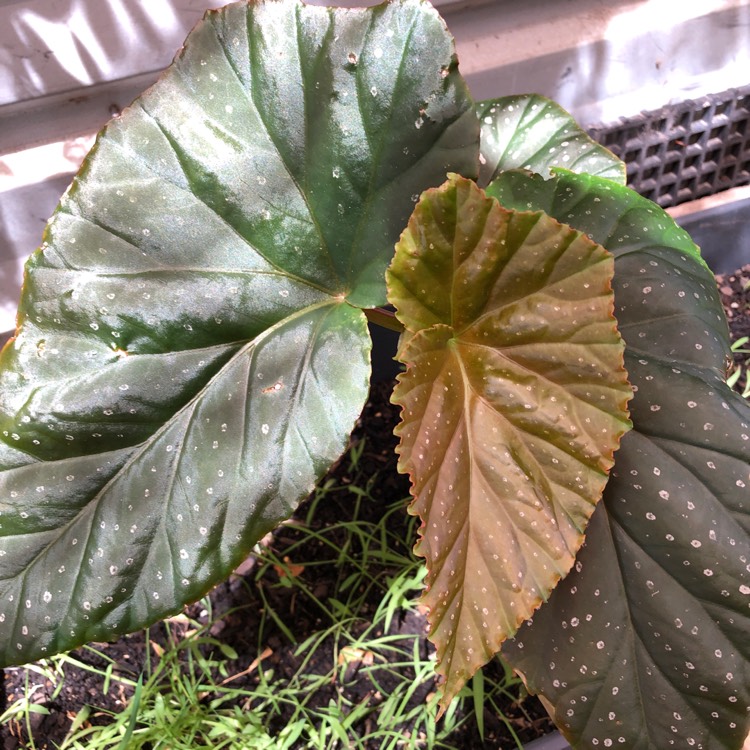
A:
(684, 151)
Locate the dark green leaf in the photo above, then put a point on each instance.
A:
(646, 645)
(178, 364)
(98, 545)
(513, 403)
(531, 132)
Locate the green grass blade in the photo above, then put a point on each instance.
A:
(133, 708)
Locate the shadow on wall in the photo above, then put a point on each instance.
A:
(49, 46)
(617, 59)
(671, 60)
(23, 215)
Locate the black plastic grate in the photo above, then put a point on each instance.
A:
(684, 151)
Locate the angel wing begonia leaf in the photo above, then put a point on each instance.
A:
(175, 386)
(646, 644)
(513, 402)
(532, 132)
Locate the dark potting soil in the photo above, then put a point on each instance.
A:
(239, 603)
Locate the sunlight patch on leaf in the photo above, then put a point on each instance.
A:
(532, 132)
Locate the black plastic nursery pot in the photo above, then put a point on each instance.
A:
(723, 234)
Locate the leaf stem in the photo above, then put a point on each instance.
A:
(384, 318)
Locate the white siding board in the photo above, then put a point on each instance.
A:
(55, 46)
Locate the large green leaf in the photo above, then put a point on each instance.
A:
(513, 403)
(531, 132)
(646, 644)
(175, 386)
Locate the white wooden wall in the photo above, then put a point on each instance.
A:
(67, 65)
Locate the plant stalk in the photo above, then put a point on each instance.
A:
(384, 318)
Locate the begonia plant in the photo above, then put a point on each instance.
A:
(192, 352)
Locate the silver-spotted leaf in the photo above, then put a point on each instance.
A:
(646, 645)
(175, 384)
(513, 402)
(531, 132)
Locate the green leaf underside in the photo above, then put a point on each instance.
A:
(646, 644)
(531, 132)
(177, 363)
(513, 403)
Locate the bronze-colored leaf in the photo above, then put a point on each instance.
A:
(513, 403)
